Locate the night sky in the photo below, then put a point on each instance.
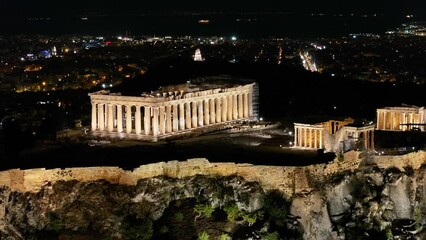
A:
(78, 7)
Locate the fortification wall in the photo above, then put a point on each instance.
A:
(289, 180)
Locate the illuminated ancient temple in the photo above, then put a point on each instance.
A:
(170, 110)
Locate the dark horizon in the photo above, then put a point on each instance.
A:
(272, 18)
(49, 8)
(221, 24)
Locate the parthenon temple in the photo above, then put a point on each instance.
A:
(401, 118)
(334, 136)
(170, 110)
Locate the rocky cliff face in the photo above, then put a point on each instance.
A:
(370, 203)
(100, 210)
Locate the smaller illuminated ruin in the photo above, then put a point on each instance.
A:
(405, 118)
(334, 136)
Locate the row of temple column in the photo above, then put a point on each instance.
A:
(169, 118)
(388, 120)
(308, 137)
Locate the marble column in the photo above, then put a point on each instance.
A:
(206, 112)
(147, 120)
(110, 123)
(366, 139)
(229, 110)
(384, 120)
(234, 107)
(315, 139)
(114, 115)
(155, 124)
(240, 106)
(392, 121)
(250, 102)
(187, 115)
(224, 108)
(245, 103)
(310, 138)
(378, 120)
(320, 138)
(168, 118)
(101, 117)
(305, 137)
(296, 138)
(398, 121)
(94, 117)
(138, 121)
(372, 140)
(119, 118)
(218, 110)
(128, 119)
(175, 115)
(194, 114)
(162, 121)
(370, 134)
(181, 116)
(212, 111)
(405, 121)
(200, 114)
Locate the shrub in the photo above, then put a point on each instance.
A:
(204, 210)
(224, 237)
(277, 207)
(164, 230)
(179, 217)
(389, 234)
(232, 211)
(203, 236)
(137, 229)
(250, 218)
(271, 236)
(56, 224)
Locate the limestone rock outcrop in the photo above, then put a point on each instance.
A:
(339, 200)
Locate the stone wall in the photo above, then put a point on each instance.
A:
(289, 180)
(414, 159)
